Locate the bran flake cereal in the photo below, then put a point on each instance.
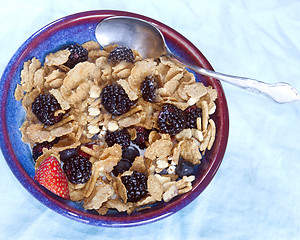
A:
(86, 122)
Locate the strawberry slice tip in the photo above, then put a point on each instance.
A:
(50, 175)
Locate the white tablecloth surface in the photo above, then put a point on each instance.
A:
(256, 192)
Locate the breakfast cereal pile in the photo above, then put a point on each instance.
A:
(124, 132)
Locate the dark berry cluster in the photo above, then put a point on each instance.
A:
(171, 120)
(136, 186)
(148, 89)
(142, 136)
(191, 115)
(121, 137)
(115, 100)
(78, 54)
(119, 54)
(78, 169)
(44, 107)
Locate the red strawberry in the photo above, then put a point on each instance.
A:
(50, 175)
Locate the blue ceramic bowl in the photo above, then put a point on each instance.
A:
(80, 28)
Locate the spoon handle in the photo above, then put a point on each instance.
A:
(279, 92)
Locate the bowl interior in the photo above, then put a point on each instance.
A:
(80, 28)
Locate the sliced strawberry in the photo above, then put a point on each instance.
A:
(50, 175)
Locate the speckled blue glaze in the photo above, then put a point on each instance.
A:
(80, 28)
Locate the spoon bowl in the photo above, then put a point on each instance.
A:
(131, 32)
(149, 41)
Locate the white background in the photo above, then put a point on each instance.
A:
(256, 192)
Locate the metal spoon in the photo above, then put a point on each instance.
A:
(149, 41)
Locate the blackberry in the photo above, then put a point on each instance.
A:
(122, 166)
(78, 169)
(121, 137)
(136, 186)
(148, 89)
(78, 54)
(191, 115)
(115, 100)
(184, 168)
(119, 54)
(171, 120)
(142, 136)
(44, 108)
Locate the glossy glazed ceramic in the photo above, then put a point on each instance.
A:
(80, 28)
